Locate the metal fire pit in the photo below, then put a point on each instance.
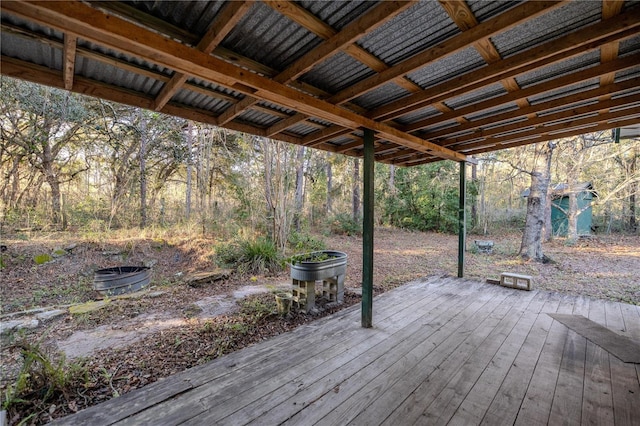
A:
(121, 279)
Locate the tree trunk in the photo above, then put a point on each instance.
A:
(143, 171)
(633, 190)
(299, 197)
(474, 202)
(531, 246)
(51, 177)
(547, 227)
(392, 179)
(329, 208)
(189, 171)
(355, 200)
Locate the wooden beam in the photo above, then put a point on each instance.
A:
(69, 64)
(500, 23)
(541, 121)
(224, 23)
(43, 75)
(441, 135)
(608, 52)
(463, 16)
(116, 33)
(558, 83)
(574, 44)
(600, 126)
(323, 135)
(550, 128)
(374, 18)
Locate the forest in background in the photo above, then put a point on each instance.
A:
(71, 162)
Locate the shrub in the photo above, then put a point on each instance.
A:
(257, 256)
(344, 224)
(299, 242)
(41, 382)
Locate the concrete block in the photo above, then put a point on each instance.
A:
(519, 281)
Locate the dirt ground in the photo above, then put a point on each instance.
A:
(172, 326)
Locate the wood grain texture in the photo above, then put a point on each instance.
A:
(443, 351)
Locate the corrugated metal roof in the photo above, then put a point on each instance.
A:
(492, 111)
(483, 9)
(445, 69)
(336, 73)
(196, 16)
(565, 91)
(337, 14)
(266, 40)
(31, 50)
(565, 67)
(549, 26)
(200, 100)
(476, 96)
(418, 115)
(417, 28)
(270, 38)
(380, 96)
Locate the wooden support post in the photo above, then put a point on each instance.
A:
(462, 223)
(367, 231)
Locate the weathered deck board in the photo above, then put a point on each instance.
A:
(442, 351)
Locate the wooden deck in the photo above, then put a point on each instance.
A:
(442, 351)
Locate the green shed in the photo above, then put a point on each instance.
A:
(560, 205)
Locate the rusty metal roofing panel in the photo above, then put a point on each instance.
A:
(548, 26)
(483, 9)
(337, 73)
(380, 96)
(476, 96)
(555, 70)
(337, 14)
(445, 69)
(270, 38)
(417, 28)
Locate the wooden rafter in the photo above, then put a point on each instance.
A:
(563, 48)
(225, 21)
(69, 65)
(118, 34)
(620, 64)
(499, 24)
(334, 42)
(495, 120)
(42, 75)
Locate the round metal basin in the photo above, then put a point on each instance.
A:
(121, 279)
(335, 265)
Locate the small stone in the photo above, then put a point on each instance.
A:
(48, 315)
(156, 294)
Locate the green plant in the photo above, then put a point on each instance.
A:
(344, 224)
(42, 380)
(299, 241)
(257, 256)
(42, 258)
